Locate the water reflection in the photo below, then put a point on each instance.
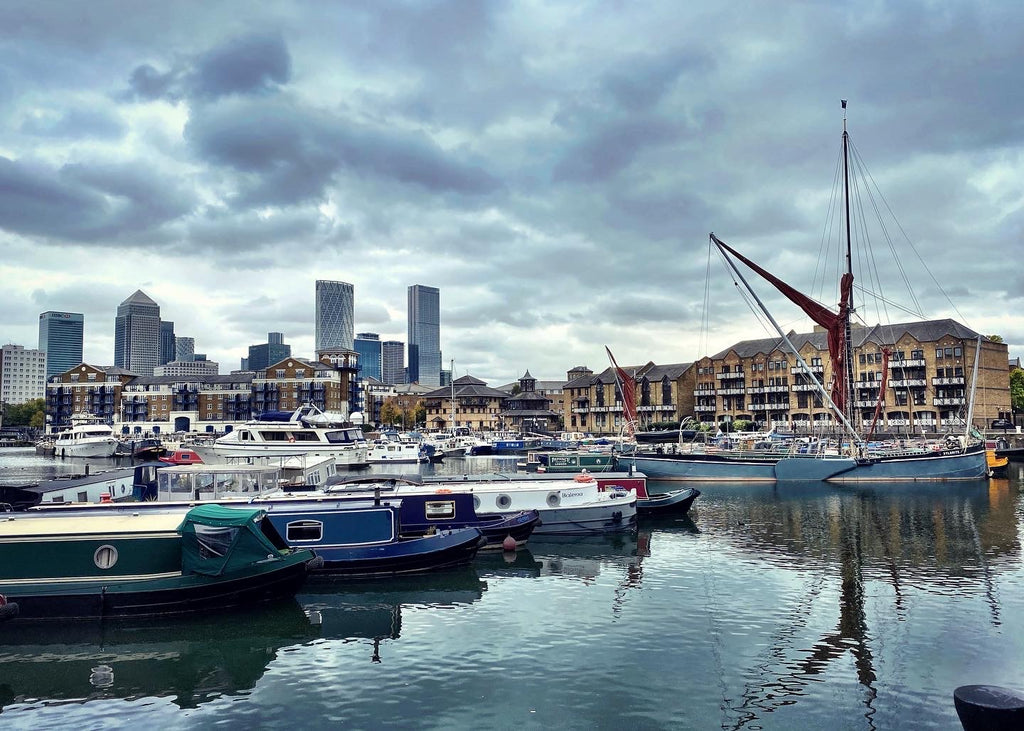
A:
(194, 660)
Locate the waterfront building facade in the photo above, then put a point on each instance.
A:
(61, 336)
(594, 404)
(198, 402)
(392, 362)
(335, 315)
(529, 409)
(273, 351)
(22, 374)
(927, 376)
(476, 405)
(293, 382)
(424, 327)
(368, 346)
(85, 389)
(137, 334)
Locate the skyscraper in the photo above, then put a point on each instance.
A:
(184, 349)
(166, 341)
(264, 355)
(335, 315)
(424, 335)
(137, 334)
(61, 337)
(368, 347)
(392, 358)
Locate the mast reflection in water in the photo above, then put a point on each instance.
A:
(768, 607)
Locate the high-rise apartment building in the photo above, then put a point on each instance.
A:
(392, 360)
(264, 355)
(368, 347)
(335, 315)
(166, 341)
(22, 374)
(184, 348)
(61, 335)
(137, 334)
(424, 335)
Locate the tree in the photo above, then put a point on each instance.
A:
(420, 412)
(26, 414)
(390, 412)
(995, 338)
(1017, 390)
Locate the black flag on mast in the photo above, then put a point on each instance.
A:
(844, 103)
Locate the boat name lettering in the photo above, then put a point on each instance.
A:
(572, 493)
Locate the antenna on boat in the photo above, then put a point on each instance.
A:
(848, 310)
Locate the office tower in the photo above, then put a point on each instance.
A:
(137, 334)
(424, 335)
(392, 359)
(335, 315)
(166, 341)
(264, 355)
(22, 374)
(61, 337)
(368, 347)
(184, 349)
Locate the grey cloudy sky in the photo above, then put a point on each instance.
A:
(554, 168)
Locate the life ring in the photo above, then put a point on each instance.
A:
(442, 489)
(291, 437)
(583, 477)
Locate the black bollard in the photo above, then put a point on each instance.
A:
(989, 707)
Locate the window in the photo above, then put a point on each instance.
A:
(440, 509)
(938, 352)
(304, 530)
(948, 352)
(957, 352)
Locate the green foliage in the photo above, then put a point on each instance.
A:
(1017, 389)
(995, 338)
(30, 413)
(742, 424)
(420, 413)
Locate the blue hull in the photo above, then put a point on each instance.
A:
(951, 465)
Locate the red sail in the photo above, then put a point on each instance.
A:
(627, 386)
(833, 322)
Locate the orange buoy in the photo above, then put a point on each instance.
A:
(509, 544)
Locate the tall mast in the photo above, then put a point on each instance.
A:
(847, 330)
(452, 379)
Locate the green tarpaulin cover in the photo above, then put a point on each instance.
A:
(216, 540)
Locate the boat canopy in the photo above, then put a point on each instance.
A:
(216, 540)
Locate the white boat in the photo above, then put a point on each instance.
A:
(567, 507)
(385, 451)
(283, 434)
(87, 438)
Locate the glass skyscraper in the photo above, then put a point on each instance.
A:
(392, 362)
(424, 335)
(266, 354)
(60, 336)
(137, 334)
(368, 347)
(335, 315)
(166, 341)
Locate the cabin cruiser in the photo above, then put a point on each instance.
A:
(306, 431)
(85, 439)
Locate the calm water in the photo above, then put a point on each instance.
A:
(767, 608)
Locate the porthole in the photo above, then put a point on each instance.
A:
(504, 502)
(105, 557)
(554, 499)
(476, 502)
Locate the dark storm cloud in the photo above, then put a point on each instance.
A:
(291, 153)
(612, 148)
(85, 203)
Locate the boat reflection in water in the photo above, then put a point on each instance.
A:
(197, 659)
(928, 538)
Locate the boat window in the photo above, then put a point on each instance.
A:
(503, 501)
(339, 437)
(243, 436)
(304, 530)
(83, 497)
(214, 542)
(440, 509)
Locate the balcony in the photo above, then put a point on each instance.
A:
(768, 389)
(803, 387)
(730, 376)
(949, 401)
(908, 383)
(955, 381)
(915, 363)
(868, 404)
(731, 391)
(781, 406)
(816, 369)
(710, 409)
(704, 392)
